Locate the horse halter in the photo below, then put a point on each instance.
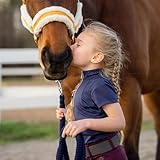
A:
(51, 14)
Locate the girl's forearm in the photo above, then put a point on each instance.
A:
(108, 124)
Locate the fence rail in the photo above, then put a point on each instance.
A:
(19, 62)
(11, 57)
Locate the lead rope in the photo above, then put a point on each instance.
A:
(62, 151)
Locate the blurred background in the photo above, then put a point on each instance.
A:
(12, 34)
(27, 100)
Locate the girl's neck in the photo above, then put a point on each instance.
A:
(91, 67)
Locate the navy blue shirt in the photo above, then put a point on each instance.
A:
(94, 91)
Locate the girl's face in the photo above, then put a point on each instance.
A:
(83, 50)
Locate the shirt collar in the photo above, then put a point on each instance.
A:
(90, 72)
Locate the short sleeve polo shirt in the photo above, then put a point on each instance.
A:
(94, 91)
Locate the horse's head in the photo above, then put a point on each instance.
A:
(53, 24)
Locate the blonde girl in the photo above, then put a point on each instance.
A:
(98, 114)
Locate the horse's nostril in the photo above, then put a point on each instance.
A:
(44, 50)
(44, 55)
(49, 58)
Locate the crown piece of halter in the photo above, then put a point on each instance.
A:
(51, 14)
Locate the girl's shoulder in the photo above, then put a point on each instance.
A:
(102, 81)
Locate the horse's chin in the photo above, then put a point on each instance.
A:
(57, 76)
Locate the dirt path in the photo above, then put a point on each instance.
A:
(45, 150)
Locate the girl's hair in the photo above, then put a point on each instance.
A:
(108, 43)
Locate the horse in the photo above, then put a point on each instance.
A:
(137, 23)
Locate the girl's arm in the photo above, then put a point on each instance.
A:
(114, 122)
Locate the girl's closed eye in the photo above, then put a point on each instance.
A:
(77, 44)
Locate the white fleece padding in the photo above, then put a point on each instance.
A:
(78, 16)
(50, 9)
(26, 18)
(55, 17)
(58, 18)
(72, 23)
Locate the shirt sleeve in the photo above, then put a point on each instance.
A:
(104, 94)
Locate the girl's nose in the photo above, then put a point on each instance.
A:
(72, 46)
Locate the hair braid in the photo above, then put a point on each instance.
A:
(109, 43)
(115, 78)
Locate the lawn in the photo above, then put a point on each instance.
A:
(12, 131)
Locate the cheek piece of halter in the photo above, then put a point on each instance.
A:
(51, 14)
(35, 25)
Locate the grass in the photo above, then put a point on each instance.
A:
(147, 125)
(12, 131)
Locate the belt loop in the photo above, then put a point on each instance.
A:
(89, 152)
(111, 143)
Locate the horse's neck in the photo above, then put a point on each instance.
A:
(92, 9)
(100, 9)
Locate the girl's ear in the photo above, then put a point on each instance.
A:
(97, 58)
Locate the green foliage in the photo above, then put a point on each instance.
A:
(11, 131)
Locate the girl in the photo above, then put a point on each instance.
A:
(98, 114)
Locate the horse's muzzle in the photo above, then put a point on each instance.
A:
(56, 65)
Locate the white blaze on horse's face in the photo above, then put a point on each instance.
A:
(51, 14)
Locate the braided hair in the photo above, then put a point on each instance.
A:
(108, 43)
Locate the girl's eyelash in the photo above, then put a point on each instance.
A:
(78, 44)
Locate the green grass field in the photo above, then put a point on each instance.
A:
(12, 131)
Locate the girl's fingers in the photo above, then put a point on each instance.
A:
(61, 110)
(72, 132)
(69, 130)
(63, 133)
(59, 117)
(65, 130)
(60, 113)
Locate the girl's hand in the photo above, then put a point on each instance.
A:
(74, 127)
(60, 113)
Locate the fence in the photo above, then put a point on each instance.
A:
(24, 97)
(12, 57)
